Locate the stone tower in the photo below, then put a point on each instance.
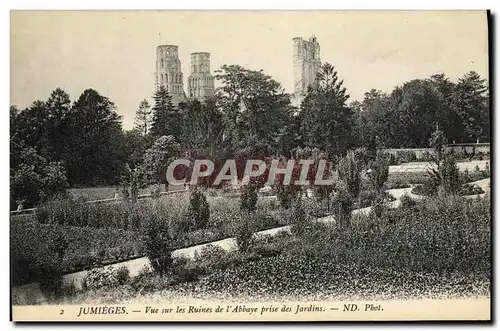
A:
(306, 64)
(201, 81)
(168, 72)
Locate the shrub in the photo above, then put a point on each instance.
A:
(199, 210)
(158, 241)
(100, 277)
(366, 198)
(341, 202)
(379, 171)
(349, 170)
(122, 275)
(35, 179)
(379, 206)
(211, 258)
(263, 221)
(450, 175)
(299, 219)
(405, 180)
(429, 188)
(286, 194)
(248, 198)
(186, 270)
(407, 201)
(470, 189)
(37, 253)
(244, 232)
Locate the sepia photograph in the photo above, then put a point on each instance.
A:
(320, 165)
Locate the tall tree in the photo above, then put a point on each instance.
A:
(417, 106)
(157, 159)
(202, 126)
(166, 118)
(143, 118)
(327, 121)
(94, 154)
(470, 100)
(255, 107)
(375, 120)
(446, 116)
(58, 107)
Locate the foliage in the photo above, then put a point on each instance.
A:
(255, 109)
(157, 158)
(34, 179)
(166, 118)
(406, 116)
(450, 175)
(397, 256)
(93, 151)
(122, 275)
(470, 189)
(379, 171)
(407, 201)
(244, 232)
(199, 210)
(326, 121)
(248, 198)
(341, 202)
(300, 221)
(35, 245)
(349, 170)
(143, 118)
(202, 126)
(470, 99)
(158, 239)
(286, 194)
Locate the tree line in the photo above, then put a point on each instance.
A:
(56, 143)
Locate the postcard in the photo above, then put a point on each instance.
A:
(250, 166)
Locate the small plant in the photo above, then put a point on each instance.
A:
(286, 194)
(407, 201)
(198, 211)
(158, 242)
(350, 172)
(244, 232)
(186, 270)
(122, 275)
(342, 205)
(379, 171)
(248, 198)
(299, 219)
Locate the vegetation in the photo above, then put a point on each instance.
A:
(198, 214)
(350, 173)
(38, 250)
(441, 242)
(393, 255)
(249, 111)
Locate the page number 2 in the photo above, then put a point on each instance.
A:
(62, 312)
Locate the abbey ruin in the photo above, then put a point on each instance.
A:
(201, 83)
(169, 74)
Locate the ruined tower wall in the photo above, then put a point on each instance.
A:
(201, 83)
(306, 64)
(168, 72)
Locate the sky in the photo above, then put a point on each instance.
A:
(113, 52)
